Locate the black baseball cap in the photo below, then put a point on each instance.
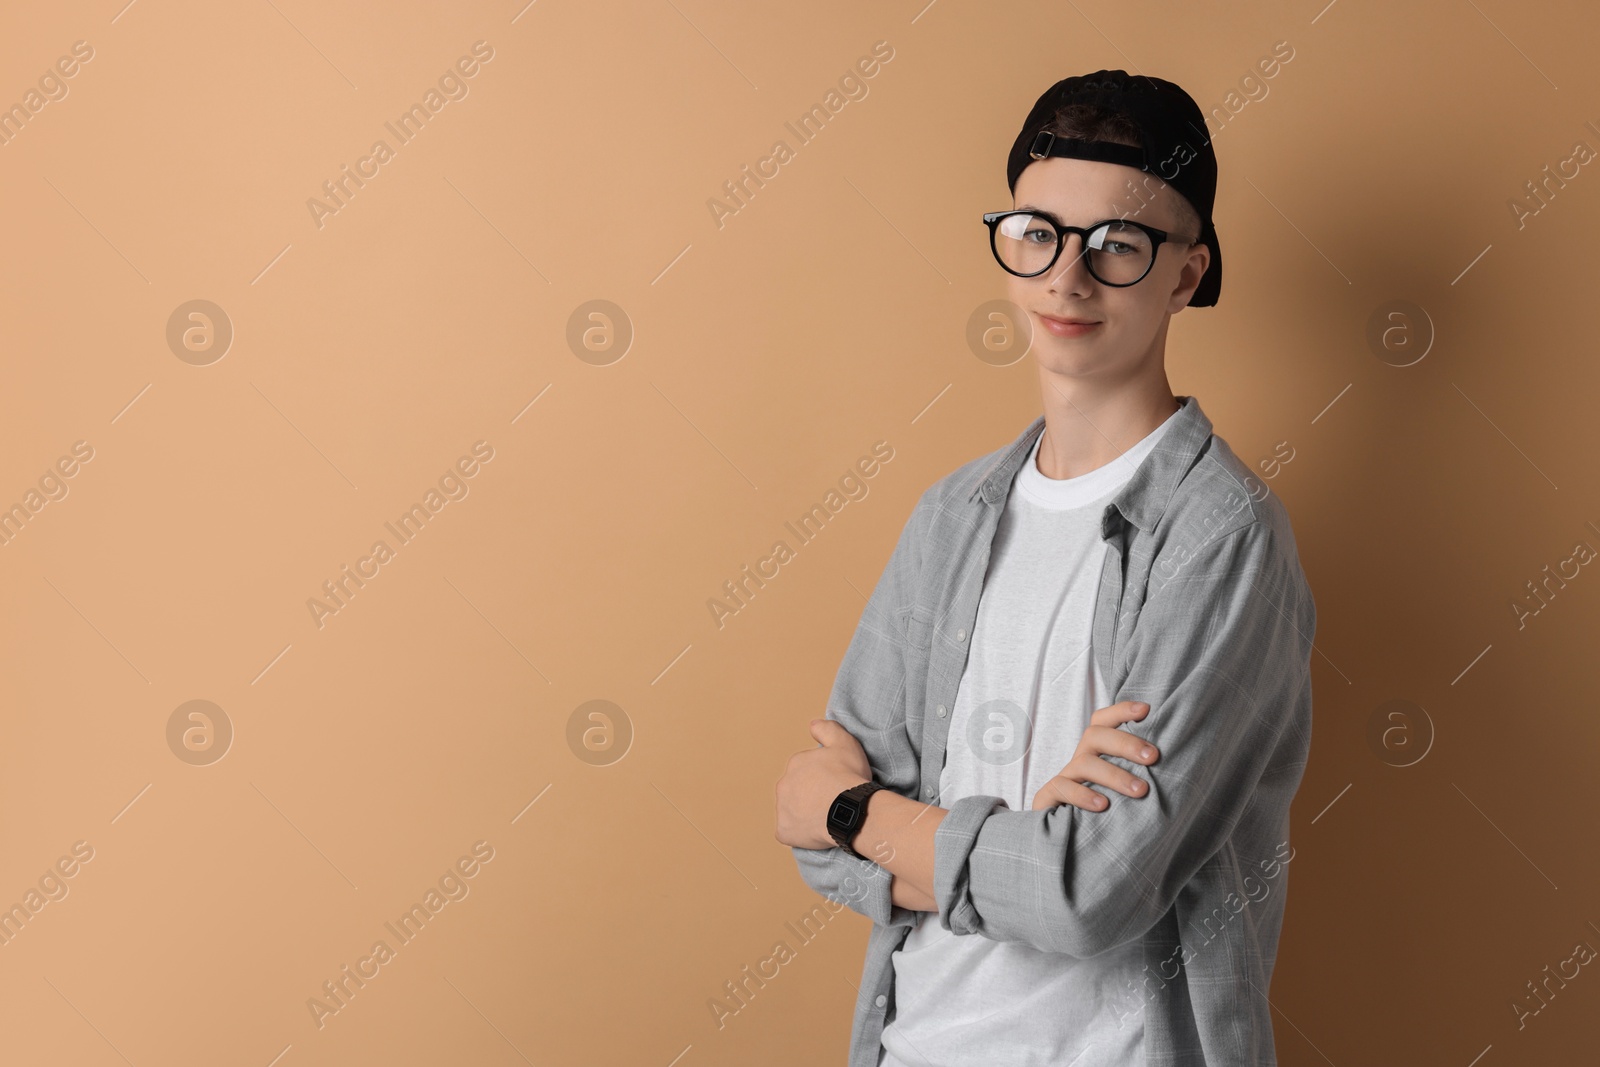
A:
(1176, 146)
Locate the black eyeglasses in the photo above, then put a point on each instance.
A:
(1119, 252)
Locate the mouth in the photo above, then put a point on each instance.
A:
(1067, 327)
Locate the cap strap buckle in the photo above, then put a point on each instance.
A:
(1046, 143)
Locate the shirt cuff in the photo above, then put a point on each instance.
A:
(860, 884)
(952, 845)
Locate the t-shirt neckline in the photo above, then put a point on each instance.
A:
(1087, 488)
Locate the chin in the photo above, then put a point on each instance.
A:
(1070, 355)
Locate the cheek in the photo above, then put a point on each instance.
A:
(1021, 291)
(1120, 305)
(1129, 314)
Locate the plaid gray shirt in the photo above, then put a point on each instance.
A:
(1204, 613)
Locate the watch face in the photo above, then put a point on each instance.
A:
(843, 811)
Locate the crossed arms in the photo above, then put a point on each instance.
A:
(1220, 655)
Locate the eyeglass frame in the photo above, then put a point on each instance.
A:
(992, 220)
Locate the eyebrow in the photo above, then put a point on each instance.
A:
(1053, 215)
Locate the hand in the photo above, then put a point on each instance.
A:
(813, 779)
(1101, 738)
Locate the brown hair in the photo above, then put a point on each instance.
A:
(1089, 123)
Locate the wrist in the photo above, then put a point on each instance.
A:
(899, 835)
(847, 814)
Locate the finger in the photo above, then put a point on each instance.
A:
(1112, 741)
(1060, 790)
(1120, 712)
(1091, 768)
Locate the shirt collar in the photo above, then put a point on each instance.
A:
(1144, 497)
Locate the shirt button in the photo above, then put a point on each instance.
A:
(881, 1001)
(941, 711)
(961, 635)
(928, 792)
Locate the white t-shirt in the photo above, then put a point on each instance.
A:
(1031, 676)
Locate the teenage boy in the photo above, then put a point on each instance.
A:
(1116, 562)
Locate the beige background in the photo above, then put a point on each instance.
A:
(431, 312)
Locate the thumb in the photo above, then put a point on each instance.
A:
(821, 728)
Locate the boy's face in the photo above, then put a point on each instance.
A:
(1131, 320)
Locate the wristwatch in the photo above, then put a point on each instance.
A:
(847, 813)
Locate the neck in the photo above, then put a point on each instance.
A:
(1087, 427)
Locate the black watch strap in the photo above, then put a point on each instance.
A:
(847, 813)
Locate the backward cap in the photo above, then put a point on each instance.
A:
(1176, 145)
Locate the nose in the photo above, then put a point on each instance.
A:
(1070, 272)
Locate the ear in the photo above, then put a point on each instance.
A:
(1197, 260)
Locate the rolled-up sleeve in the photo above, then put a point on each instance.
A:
(1220, 652)
(868, 699)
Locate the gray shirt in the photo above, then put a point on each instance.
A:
(1203, 612)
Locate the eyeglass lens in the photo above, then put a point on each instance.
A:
(1118, 253)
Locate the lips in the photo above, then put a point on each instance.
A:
(1072, 327)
